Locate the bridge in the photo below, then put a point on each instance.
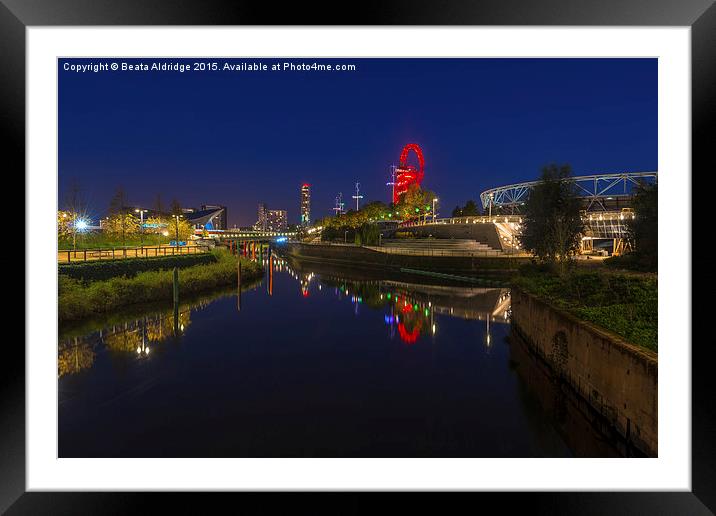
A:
(249, 234)
(600, 192)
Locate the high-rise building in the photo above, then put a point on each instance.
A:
(276, 220)
(261, 222)
(305, 204)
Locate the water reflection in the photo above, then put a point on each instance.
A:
(137, 337)
(313, 361)
(409, 308)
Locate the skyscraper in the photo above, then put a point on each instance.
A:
(305, 204)
(261, 222)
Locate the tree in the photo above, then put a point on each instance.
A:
(118, 203)
(75, 211)
(175, 208)
(158, 206)
(552, 224)
(121, 225)
(470, 209)
(415, 203)
(179, 228)
(64, 225)
(156, 224)
(642, 230)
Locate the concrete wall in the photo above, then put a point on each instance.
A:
(482, 232)
(364, 257)
(618, 379)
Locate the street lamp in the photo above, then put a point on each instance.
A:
(435, 199)
(141, 225)
(176, 221)
(490, 204)
(77, 225)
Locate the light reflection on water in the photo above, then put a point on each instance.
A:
(313, 361)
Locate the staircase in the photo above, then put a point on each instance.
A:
(436, 247)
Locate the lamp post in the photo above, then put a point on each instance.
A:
(74, 232)
(435, 199)
(141, 225)
(176, 224)
(490, 205)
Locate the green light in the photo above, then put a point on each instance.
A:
(417, 210)
(388, 295)
(426, 312)
(390, 214)
(415, 308)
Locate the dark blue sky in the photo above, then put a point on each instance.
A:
(238, 138)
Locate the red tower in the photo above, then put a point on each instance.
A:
(405, 174)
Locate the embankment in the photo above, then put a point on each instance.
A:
(617, 378)
(79, 299)
(362, 257)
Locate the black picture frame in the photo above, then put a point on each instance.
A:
(700, 15)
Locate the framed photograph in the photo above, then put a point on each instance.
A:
(420, 252)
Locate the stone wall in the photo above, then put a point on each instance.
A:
(618, 379)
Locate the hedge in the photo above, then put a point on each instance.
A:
(101, 270)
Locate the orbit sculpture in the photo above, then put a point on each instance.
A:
(405, 174)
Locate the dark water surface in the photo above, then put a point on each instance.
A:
(313, 362)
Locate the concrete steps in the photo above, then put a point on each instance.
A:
(437, 244)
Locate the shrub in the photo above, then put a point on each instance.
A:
(625, 304)
(101, 270)
(79, 299)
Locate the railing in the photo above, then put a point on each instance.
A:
(84, 255)
(478, 219)
(495, 253)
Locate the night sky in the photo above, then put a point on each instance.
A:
(239, 138)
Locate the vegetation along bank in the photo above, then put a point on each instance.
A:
(87, 295)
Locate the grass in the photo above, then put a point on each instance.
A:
(105, 269)
(79, 299)
(626, 304)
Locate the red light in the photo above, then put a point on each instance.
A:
(408, 174)
(409, 337)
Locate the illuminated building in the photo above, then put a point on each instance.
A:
(261, 222)
(276, 220)
(271, 220)
(205, 219)
(305, 204)
(220, 221)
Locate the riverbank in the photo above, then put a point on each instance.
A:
(365, 257)
(618, 379)
(621, 302)
(79, 299)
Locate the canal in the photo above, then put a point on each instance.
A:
(314, 361)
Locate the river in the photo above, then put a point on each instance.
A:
(314, 361)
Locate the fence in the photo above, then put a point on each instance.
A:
(84, 255)
(450, 252)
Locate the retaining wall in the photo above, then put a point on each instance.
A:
(618, 379)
